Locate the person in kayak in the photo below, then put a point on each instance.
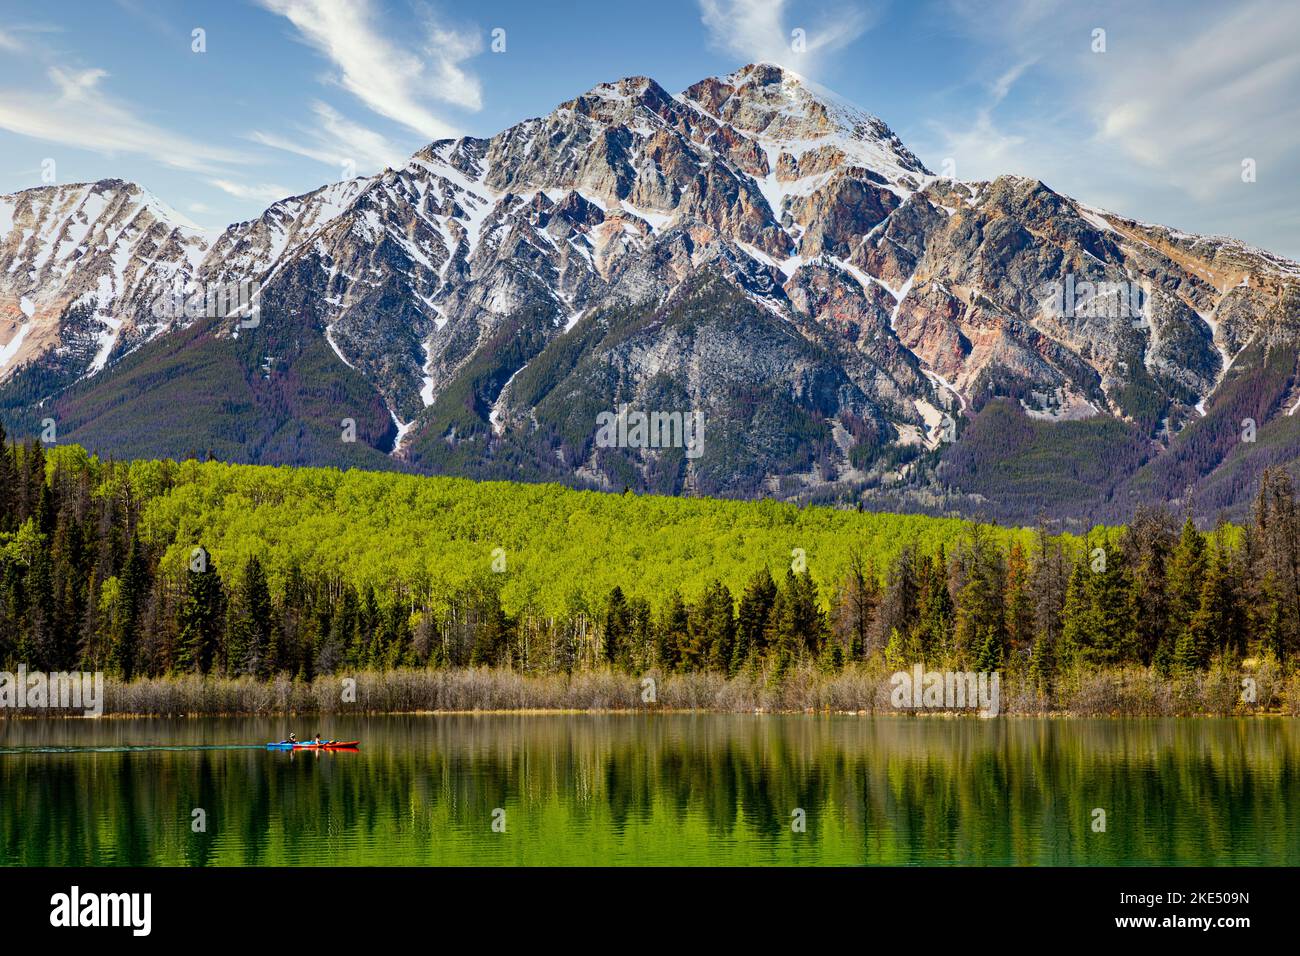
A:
(317, 740)
(292, 739)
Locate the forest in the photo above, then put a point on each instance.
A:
(158, 569)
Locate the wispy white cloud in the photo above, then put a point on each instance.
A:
(1003, 84)
(264, 192)
(9, 43)
(393, 80)
(1156, 126)
(337, 141)
(77, 112)
(764, 30)
(982, 147)
(1193, 109)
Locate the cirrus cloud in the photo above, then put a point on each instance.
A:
(78, 112)
(391, 80)
(762, 30)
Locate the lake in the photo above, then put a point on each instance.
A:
(579, 789)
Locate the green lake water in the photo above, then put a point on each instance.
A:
(653, 790)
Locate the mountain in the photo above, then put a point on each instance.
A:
(845, 325)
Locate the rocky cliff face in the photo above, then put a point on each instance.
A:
(80, 269)
(752, 250)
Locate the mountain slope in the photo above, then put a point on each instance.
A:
(753, 250)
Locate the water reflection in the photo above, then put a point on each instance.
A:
(666, 789)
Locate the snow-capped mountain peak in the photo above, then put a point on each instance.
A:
(870, 304)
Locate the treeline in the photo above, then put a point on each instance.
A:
(82, 587)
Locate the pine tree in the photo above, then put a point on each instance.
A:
(37, 642)
(337, 640)
(9, 491)
(1152, 552)
(641, 639)
(992, 649)
(900, 603)
(366, 646)
(492, 628)
(934, 636)
(1098, 623)
(752, 619)
(855, 607)
(713, 629)
(1218, 624)
(397, 627)
(897, 653)
(1019, 604)
(1042, 665)
(251, 620)
(199, 628)
(673, 633)
(618, 628)
(1187, 569)
(1078, 627)
(797, 625)
(135, 585)
(1049, 584)
(1273, 550)
(981, 595)
(31, 480)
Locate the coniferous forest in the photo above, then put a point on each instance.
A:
(164, 569)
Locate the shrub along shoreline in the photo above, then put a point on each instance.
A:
(856, 689)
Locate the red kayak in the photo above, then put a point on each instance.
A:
(311, 745)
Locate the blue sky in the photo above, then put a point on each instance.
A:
(290, 94)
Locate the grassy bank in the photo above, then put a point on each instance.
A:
(866, 688)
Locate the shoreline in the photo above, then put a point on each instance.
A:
(680, 711)
(863, 689)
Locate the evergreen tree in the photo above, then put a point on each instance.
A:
(935, 635)
(399, 639)
(492, 628)
(10, 496)
(856, 604)
(981, 593)
(752, 619)
(1187, 568)
(202, 609)
(1049, 583)
(901, 599)
(1152, 550)
(618, 628)
(1098, 623)
(641, 638)
(251, 622)
(1019, 604)
(713, 628)
(992, 649)
(1273, 548)
(673, 633)
(797, 625)
(135, 585)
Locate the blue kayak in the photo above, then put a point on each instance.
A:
(312, 745)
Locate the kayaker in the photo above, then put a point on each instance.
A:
(317, 739)
(293, 738)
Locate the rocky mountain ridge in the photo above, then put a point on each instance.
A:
(753, 249)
